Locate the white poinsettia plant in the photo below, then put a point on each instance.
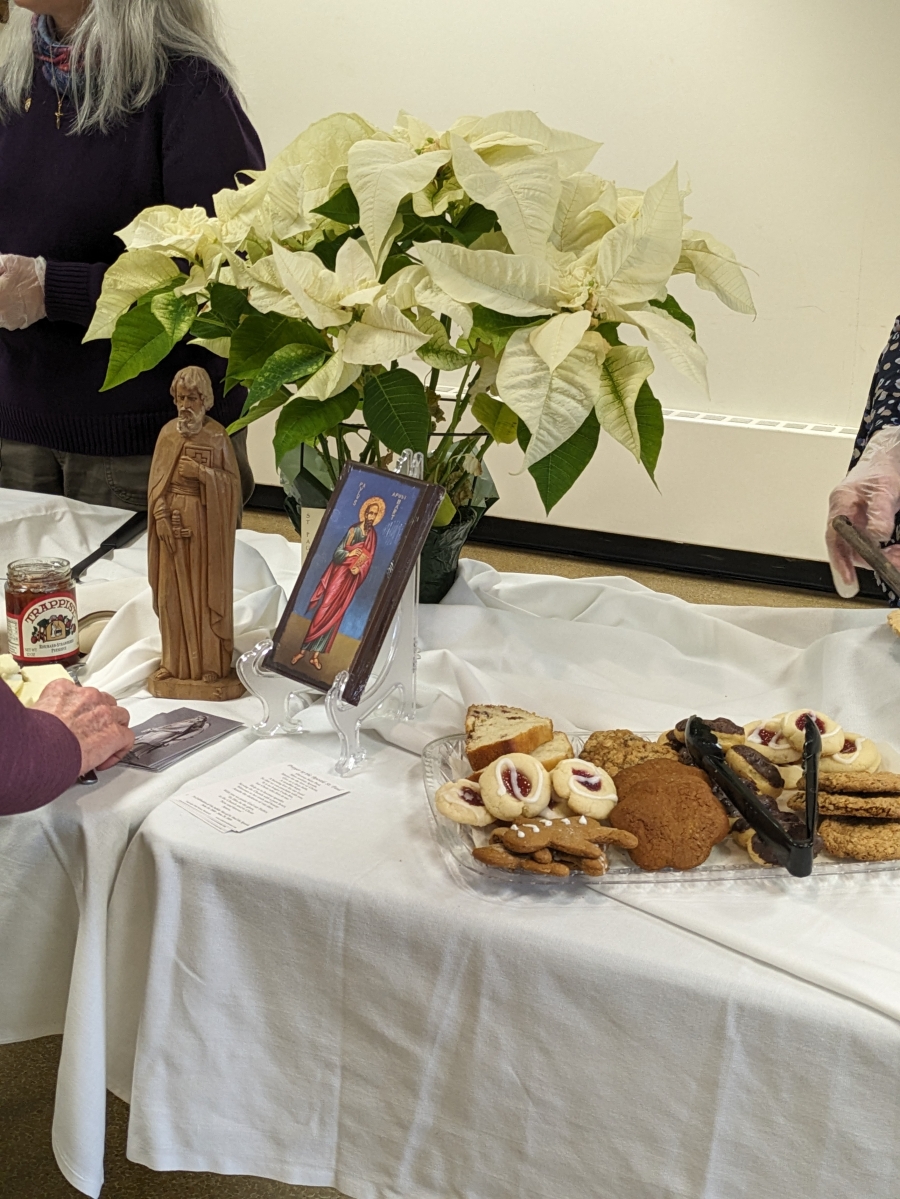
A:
(489, 251)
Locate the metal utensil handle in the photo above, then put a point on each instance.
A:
(89, 779)
(869, 550)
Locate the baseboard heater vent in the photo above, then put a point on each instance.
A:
(758, 422)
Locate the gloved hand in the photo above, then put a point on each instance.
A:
(870, 498)
(21, 291)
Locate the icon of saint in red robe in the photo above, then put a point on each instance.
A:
(344, 575)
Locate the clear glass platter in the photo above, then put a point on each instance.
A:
(445, 760)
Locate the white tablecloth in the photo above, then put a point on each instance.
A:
(318, 1000)
(58, 864)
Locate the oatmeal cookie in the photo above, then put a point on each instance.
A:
(877, 782)
(863, 840)
(871, 807)
(614, 749)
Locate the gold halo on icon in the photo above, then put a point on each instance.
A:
(374, 501)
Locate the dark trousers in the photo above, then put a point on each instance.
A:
(115, 482)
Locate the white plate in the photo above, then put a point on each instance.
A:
(445, 760)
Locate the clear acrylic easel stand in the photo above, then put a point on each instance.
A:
(390, 693)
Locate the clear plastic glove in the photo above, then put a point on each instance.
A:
(870, 498)
(21, 291)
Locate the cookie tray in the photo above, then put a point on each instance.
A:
(445, 760)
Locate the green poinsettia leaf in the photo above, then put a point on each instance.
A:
(609, 331)
(422, 228)
(556, 473)
(253, 412)
(327, 250)
(499, 420)
(649, 416)
(394, 263)
(671, 305)
(139, 342)
(303, 421)
(396, 410)
(258, 337)
(437, 352)
(495, 328)
(343, 207)
(475, 221)
(286, 365)
(228, 305)
(205, 326)
(149, 296)
(174, 313)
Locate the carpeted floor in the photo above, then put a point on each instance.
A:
(28, 1070)
(27, 1166)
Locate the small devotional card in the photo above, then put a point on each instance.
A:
(353, 578)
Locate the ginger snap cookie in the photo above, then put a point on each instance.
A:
(674, 815)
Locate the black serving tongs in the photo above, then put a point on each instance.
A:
(795, 854)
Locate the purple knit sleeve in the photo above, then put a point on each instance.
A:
(207, 137)
(71, 290)
(39, 757)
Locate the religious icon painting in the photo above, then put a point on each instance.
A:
(353, 578)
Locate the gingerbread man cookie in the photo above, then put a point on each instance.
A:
(501, 859)
(579, 837)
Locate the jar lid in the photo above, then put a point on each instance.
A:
(38, 573)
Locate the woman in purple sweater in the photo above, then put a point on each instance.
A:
(106, 107)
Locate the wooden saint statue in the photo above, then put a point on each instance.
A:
(193, 501)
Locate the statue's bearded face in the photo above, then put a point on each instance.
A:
(191, 411)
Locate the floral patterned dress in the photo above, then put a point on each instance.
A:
(882, 409)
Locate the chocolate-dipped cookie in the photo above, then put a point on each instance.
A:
(748, 763)
(727, 733)
(759, 850)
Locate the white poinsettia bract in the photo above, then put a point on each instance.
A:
(490, 248)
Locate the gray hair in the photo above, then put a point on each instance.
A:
(194, 378)
(126, 47)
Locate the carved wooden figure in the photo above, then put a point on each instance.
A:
(194, 501)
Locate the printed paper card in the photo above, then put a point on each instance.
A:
(258, 797)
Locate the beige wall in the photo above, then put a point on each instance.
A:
(782, 114)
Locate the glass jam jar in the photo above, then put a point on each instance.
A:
(41, 617)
